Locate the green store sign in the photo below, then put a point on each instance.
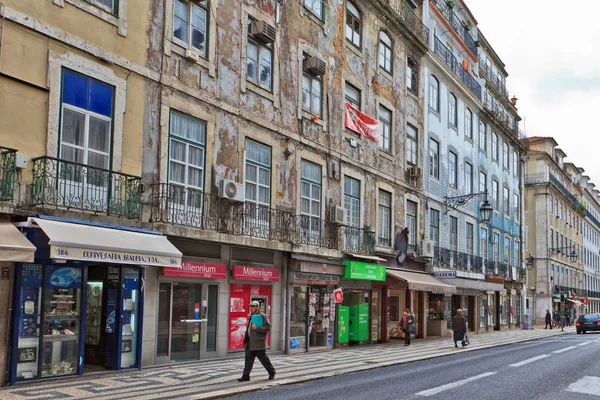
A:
(364, 271)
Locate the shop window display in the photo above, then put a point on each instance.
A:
(131, 278)
(320, 324)
(298, 317)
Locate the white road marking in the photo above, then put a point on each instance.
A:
(584, 343)
(439, 389)
(530, 360)
(587, 385)
(563, 350)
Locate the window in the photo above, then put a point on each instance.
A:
(385, 117)
(496, 247)
(469, 124)
(190, 24)
(412, 75)
(108, 5)
(468, 178)
(315, 7)
(452, 173)
(452, 110)
(483, 244)
(482, 182)
(412, 146)
(469, 238)
(551, 238)
(385, 52)
(310, 199)
(454, 233)
(259, 61)
(506, 202)
(507, 250)
(515, 163)
(411, 222)
(434, 159)
(495, 146)
(482, 138)
(385, 218)
(434, 94)
(312, 93)
(434, 226)
(517, 207)
(85, 136)
(258, 180)
(551, 204)
(352, 201)
(505, 156)
(352, 95)
(495, 194)
(187, 147)
(353, 25)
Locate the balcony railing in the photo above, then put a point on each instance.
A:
(493, 78)
(178, 205)
(500, 116)
(448, 58)
(82, 187)
(492, 267)
(521, 274)
(456, 260)
(7, 173)
(456, 23)
(410, 19)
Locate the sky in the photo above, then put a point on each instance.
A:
(551, 49)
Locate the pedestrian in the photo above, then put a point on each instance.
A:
(407, 324)
(568, 319)
(556, 319)
(548, 319)
(459, 327)
(255, 342)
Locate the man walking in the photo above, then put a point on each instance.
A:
(548, 319)
(255, 342)
(407, 324)
(459, 326)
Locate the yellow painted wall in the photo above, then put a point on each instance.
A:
(133, 126)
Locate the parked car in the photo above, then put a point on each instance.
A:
(589, 322)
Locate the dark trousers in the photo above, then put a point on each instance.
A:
(548, 324)
(262, 357)
(406, 338)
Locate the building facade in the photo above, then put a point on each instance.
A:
(591, 245)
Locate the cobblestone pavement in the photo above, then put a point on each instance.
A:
(218, 379)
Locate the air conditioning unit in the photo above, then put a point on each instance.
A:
(415, 171)
(426, 248)
(190, 55)
(231, 190)
(262, 31)
(315, 66)
(337, 215)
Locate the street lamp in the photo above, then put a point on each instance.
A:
(486, 208)
(529, 263)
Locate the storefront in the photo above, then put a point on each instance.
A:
(187, 311)
(249, 284)
(79, 305)
(362, 303)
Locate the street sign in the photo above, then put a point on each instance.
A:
(338, 295)
(445, 274)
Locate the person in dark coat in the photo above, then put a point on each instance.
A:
(459, 326)
(556, 318)
(255, 343)
(548, 319)
(406, 324)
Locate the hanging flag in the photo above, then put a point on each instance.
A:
(361, 123)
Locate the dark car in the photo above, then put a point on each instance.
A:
(590, 322)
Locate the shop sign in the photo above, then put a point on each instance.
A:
(194, 269)
(338, 295)
(445, 274)
(315, 279)
(243, 273)
(81, 254)
(364, 271)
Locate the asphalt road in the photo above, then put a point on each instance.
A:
(562, 367)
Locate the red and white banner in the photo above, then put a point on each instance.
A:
(197, 270)
(361, 123)
(338, 295)
(243, 273)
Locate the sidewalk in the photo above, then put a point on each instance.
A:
(217, 379)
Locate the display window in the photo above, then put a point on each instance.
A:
(397, 304)
(298, 317)
(239, 300)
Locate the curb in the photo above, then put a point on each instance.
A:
(285, 382)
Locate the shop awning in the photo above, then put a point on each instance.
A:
(576, 302)
(368, 258)
(13, 245)
(422, 282)
(74, 241)
(474, 284)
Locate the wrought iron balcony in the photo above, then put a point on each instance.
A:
(456, 260)
(500, 116)
(492, 267)
(493, 78)
(456, 23)
(82, 187)
(522, 274)
(7, 173)
(448, 58)
(410, 19)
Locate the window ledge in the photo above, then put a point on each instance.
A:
(412, 94)
(468, 139)
(321, 122)
(260, 91)
(434, 112)
(385, 154)
(304, 12)
(180, 50)
(384, 74)
(120, 20)
(354, 49)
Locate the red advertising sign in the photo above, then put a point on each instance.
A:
(584, 301)
(192, 269)
(338, 295)
(240, 296)
(243, 273)
(361, 123)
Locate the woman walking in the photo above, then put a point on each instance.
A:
(407, 324)
(459, 326)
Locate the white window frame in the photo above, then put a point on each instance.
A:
(412, 145)
(434, 159)
(482, 137)
(453, 110)
(260, 48)
(385, 140)
(452, 169)
(469, 237)
(188, 44)
(386, 53)
(259, 212)
(469, 123)
(453, 240)
(318, 11)
(434, 230)
(314, 202)
(468, 178)
(483, 244)
(506, 201)
(434, 93)
(384, 219)
(311, 94)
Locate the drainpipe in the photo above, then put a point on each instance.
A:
(2, 11)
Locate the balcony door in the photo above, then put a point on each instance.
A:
(352, 207)
(256, 217)
(310, 202)
(82, 175)
(187, 148)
